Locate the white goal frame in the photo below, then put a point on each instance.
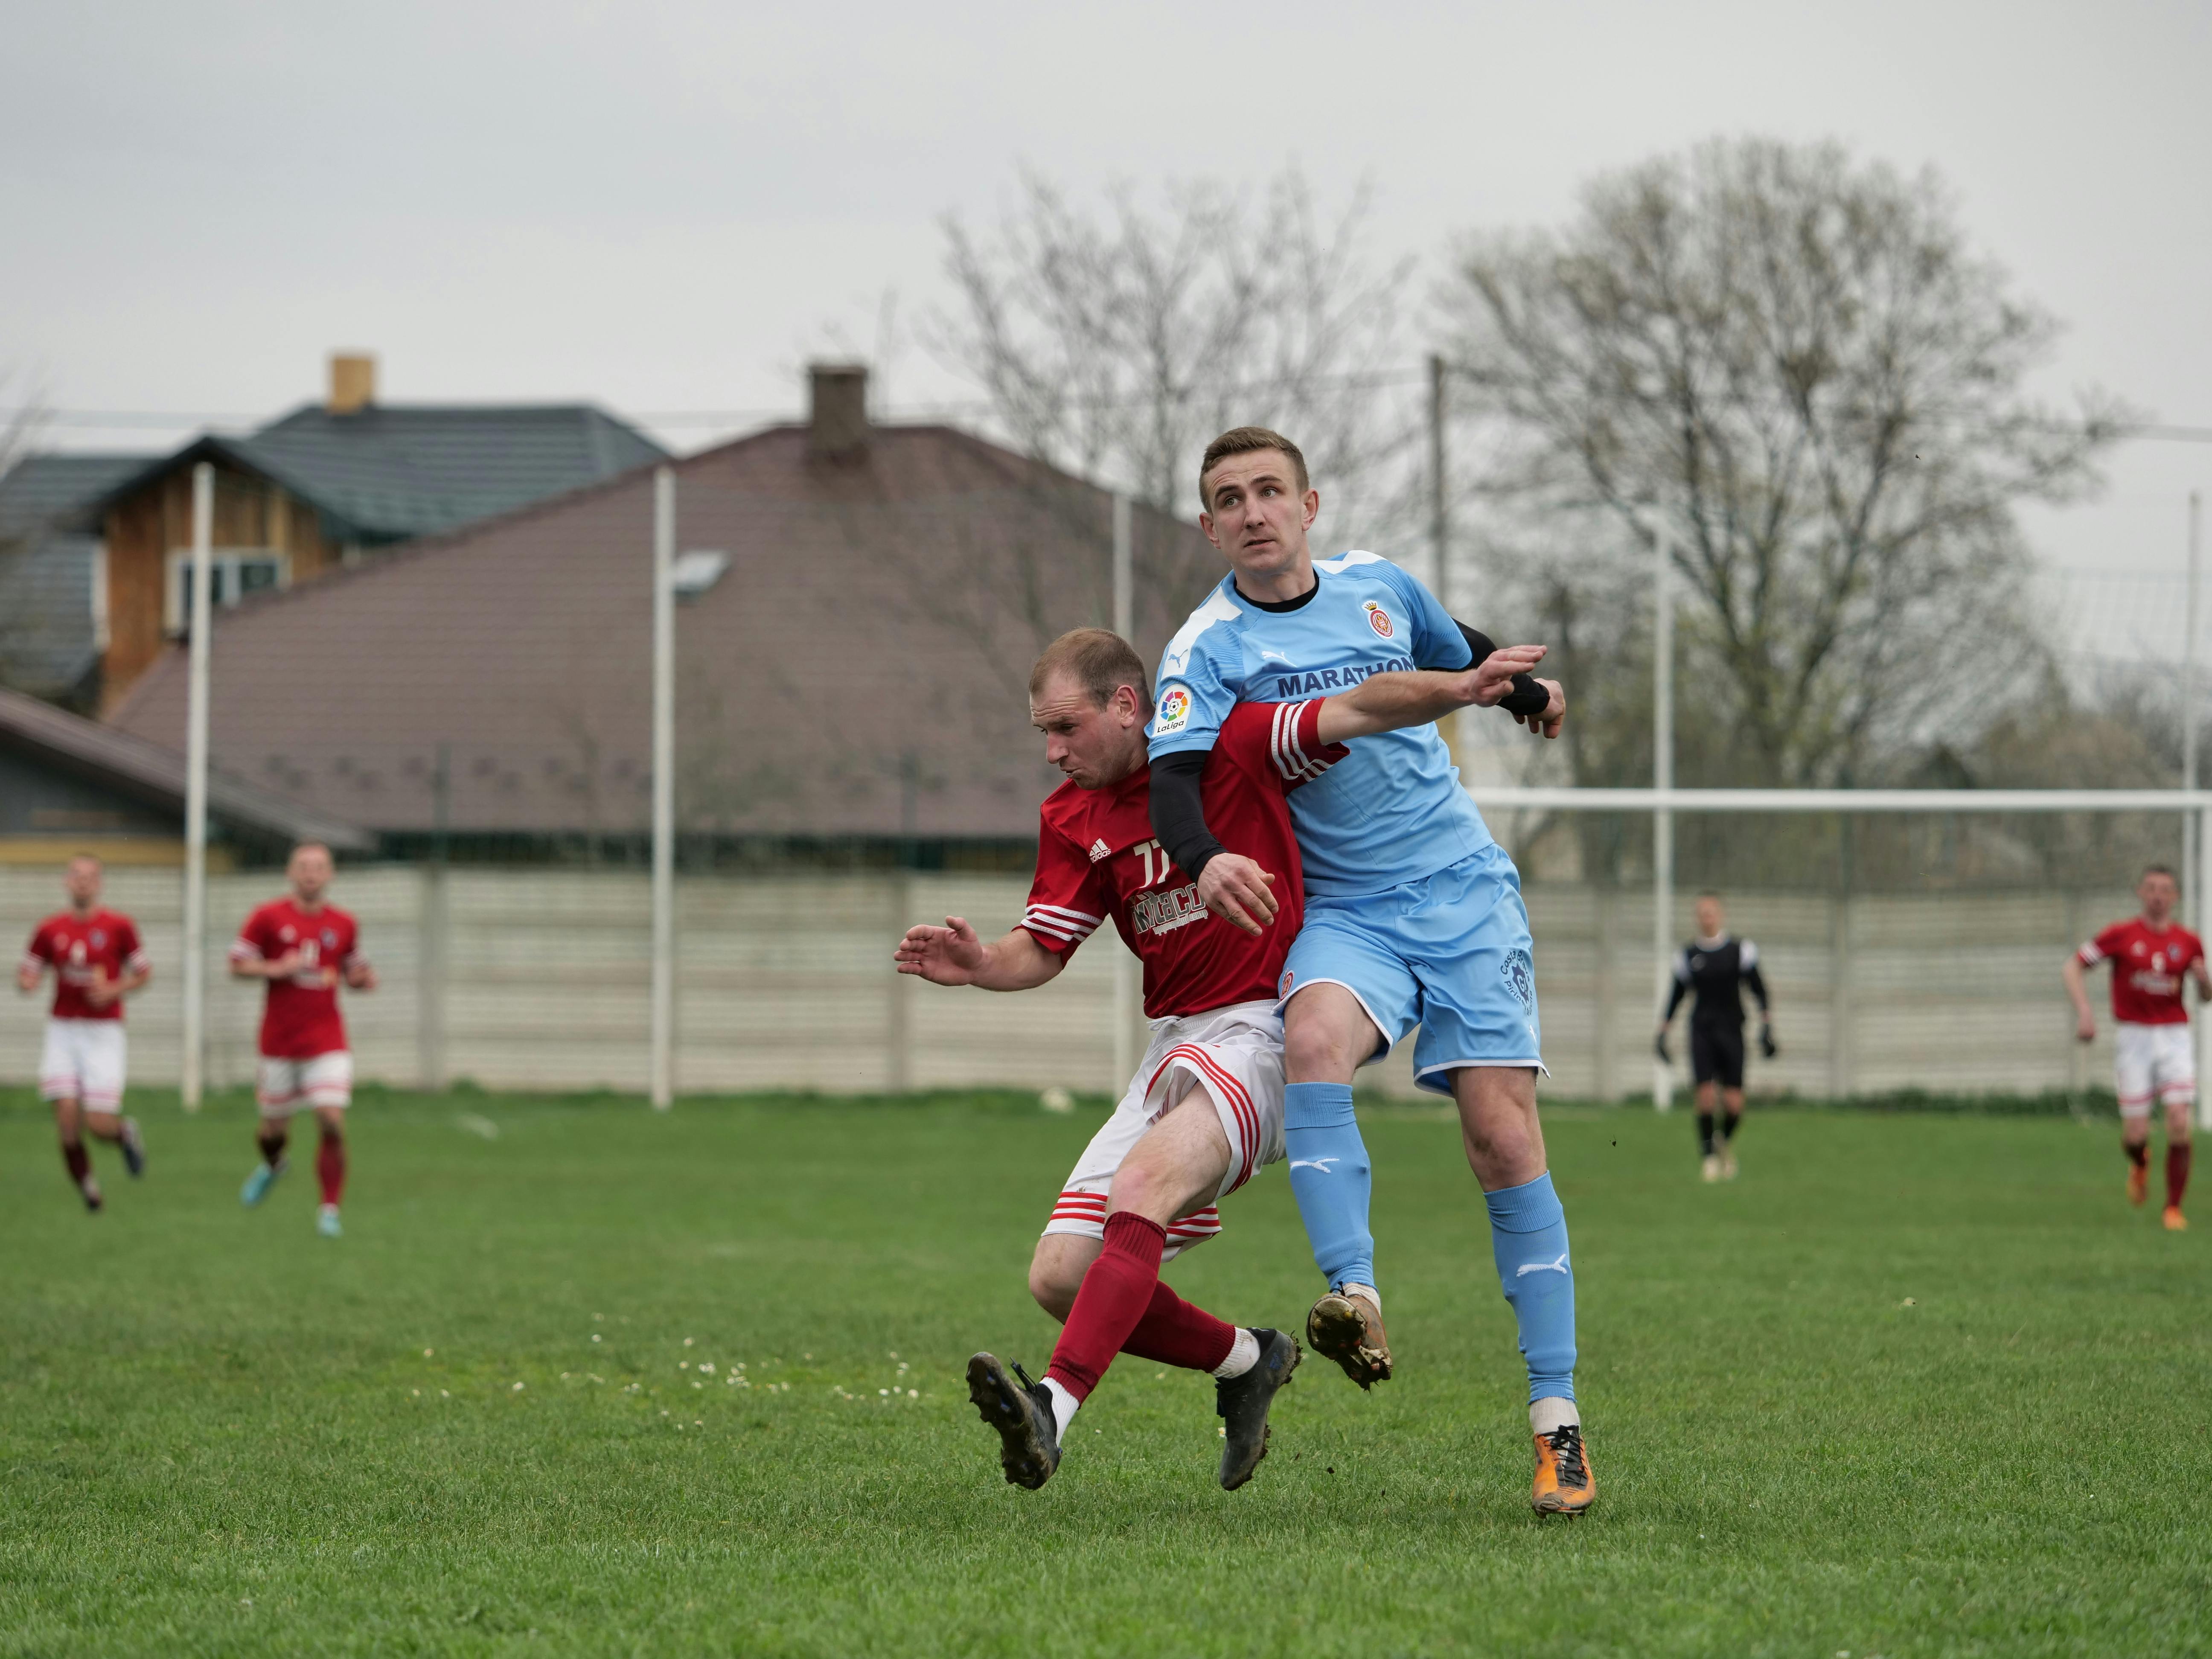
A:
(2193, 806)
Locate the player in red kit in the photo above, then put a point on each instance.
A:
(1205, 1110)
(97, 960)
(306, 949)
(2150, 956)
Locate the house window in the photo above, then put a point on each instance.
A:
(236, 572)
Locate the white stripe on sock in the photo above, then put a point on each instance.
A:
(1064, 1406)
(1243, 1354)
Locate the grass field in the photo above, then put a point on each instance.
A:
(1914, 1385)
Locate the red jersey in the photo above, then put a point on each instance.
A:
(79, 949)
(1097, 857)
(2149, 965)
(302, 1019)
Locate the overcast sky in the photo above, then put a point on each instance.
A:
(667, 208)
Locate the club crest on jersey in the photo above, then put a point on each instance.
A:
(1100, 850)
(99, 938)
(1174, 711)
(1378, 618)
(1520, 975)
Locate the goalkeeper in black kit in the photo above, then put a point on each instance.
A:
(1717, 968)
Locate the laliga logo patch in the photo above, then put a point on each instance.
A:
(1378, 618)
(1520, 975)
(1174, 712)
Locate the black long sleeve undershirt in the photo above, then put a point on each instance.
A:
(1756, 982)
(1178, 807)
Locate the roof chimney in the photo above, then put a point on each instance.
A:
(837, 425)
(353, 382)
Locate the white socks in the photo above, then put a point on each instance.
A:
(1548, 1416)
(1367, 1290)
(1243, 1354)
(1064, 1406)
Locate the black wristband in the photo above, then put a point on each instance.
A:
(1527, 697)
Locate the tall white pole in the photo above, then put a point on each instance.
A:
(1663, 817)
(1124, 965)
(202, 621)
(1439, 512)
(2192, 872)
(2199, 846)
(663, 787)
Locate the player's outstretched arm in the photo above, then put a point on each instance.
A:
(2085, 1021)
(1386, 703)
(955, 955)
(282, 967)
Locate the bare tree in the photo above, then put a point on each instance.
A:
(1116, 345)
(1789, 366)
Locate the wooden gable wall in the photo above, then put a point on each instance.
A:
(142, 528)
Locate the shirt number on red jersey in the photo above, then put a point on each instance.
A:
(1152, 853)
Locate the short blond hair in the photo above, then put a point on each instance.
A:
(1099, 661)
(1250, 441)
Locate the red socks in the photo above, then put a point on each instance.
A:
(330, 1167)
(1174, 1332)
(2177, 1171)
(2138, 1155)
(1123, 1305)
(79, 1161)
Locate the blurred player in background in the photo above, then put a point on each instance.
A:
(1717, 968)
(1413, 915)
(306, 949)
(97, 960)
(2152, 1056)
(1205, 1110)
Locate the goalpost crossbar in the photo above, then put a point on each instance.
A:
(1572, 799)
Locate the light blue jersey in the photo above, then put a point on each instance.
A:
(1394, 811)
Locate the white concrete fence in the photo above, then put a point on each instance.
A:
(522, 979)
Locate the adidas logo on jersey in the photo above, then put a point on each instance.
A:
(1099, 850)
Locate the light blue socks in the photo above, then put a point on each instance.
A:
(1331, 1181)
(1528, 1241)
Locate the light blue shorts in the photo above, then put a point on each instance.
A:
(1450, 953)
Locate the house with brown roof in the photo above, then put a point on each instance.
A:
(68, 785)
(859, 606)
(322, 489)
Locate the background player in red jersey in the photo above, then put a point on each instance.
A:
(1145, 1186)
(305, 948)
(2152, 1054)
(97, 960)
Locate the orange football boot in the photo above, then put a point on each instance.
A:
(1564, 1485)
(2138, 1181)
(2175, 1221)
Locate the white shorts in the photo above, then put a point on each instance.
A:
(286, 1085)
(1236, 1055)
(2153, 1059)
(83, 1062)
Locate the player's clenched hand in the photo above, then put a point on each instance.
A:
(2084, 1028)
(1490, 681)
(359, 976)
(1554, 712)
(950, 954)
(1234, 886)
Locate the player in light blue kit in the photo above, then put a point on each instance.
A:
(1413, 914)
